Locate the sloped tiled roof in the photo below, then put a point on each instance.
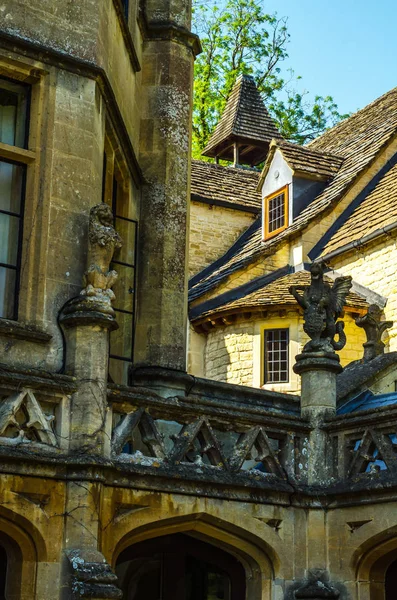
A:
(245, 116)
(378, 209)
(276, 294)
(304, 160)
(358, 140)
(225, 184)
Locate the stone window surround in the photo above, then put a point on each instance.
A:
(34, 77)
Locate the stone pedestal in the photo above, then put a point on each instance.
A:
(318, 371)
(87, 322)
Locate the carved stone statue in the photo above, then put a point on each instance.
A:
(103, 242)
(374, 329)
(322, 305)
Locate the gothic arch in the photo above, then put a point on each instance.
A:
(257, 557)
(373, 558)
(21, 558)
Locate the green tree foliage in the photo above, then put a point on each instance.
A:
(239, 38)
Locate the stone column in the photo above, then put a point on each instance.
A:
(318, 401)
(86, 321)
(167, 74)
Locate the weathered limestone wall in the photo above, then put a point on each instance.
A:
(234, 354)
(276, 543)
(85, 30)
(213, 229)
(229, 354)
(374, 266)
(196, 353)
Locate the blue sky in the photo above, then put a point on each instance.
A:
(347, 49)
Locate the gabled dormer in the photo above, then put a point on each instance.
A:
(292, 177)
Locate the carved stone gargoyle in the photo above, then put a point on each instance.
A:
(322, 306)
(103, 242)
(95, 300)
(374, 328)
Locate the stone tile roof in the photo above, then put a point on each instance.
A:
(359, 374)
(225, 184)
(306, 161)
(274, 294)
(358, 140)
(245, 116)
(378, 209)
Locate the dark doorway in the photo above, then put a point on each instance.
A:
(179, 567)
(3, 573)
(391, 582)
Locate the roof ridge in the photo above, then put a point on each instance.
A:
(353, 115)
(240, 80)
(307, 149)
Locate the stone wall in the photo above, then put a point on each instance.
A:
(234, 354)
(213, 229)
(375, 266)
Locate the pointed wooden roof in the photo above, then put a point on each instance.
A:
(244, 121)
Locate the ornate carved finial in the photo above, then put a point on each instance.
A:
(322, 306)
(104, 241)
(374, 328)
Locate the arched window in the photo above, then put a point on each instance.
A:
(179, 567)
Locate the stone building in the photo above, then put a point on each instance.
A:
(331, 200)
(123, 476)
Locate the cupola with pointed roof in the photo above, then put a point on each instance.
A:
(245, 129)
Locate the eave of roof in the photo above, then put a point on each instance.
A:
(225, 186)
(261, 294)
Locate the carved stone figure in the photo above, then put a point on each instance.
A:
(322, 305)
(374, 328)
(104, 241)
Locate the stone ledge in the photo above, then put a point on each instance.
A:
(23, 332)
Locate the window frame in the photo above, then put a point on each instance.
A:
(114, 169)
(265, 354)
(266, 201)
(21, 157)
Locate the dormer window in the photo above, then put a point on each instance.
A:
(275, 212)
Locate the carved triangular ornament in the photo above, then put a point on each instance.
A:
(150, 436)
(124, 510)
(197, 443)
(354, 525)
(255, 445)
(373, 446)
(22, 416)
(40, 500)
(272, 523)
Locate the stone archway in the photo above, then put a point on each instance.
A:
(17, 563)
(255, 561)
(377, 569)
(177, 567)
